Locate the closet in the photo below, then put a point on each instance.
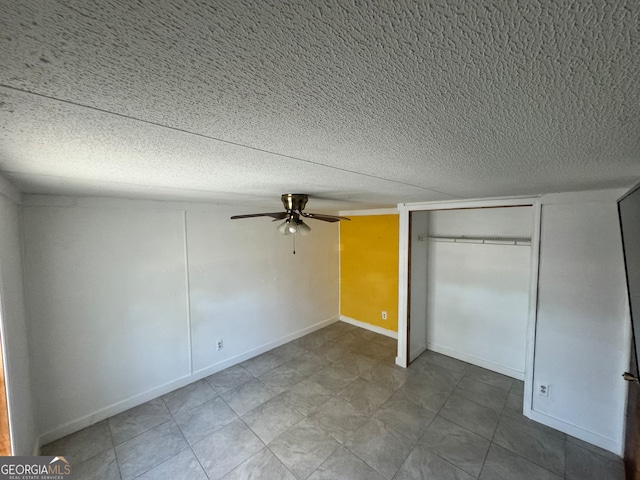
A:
(470, 276)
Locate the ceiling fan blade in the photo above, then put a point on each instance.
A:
(324, 218)
(276, 215)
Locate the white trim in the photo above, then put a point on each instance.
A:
(403, 288)
(403, 260)
(533, 308)
(590, 437)
(368, 326)
(373, 211)
(496, 367)
(471, 203)
(119, 407)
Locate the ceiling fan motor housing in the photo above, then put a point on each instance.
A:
(294, 201)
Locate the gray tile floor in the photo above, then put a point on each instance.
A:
(333, 405)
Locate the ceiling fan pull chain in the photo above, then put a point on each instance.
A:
(294, 244)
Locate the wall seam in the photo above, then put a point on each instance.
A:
(188, 291)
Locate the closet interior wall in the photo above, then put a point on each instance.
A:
(470, 276)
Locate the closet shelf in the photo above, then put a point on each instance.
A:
(477, 239)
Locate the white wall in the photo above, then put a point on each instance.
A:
(15, 345)
(119, 316)
(248, 288)
(582, 334)
(478, 294)
(107, 302)
(502, 221)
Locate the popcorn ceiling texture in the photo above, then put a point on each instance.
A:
(364, 102)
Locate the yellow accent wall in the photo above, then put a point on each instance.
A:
(369, 248)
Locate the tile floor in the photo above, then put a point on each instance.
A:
(333, 405)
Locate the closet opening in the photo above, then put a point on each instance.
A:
(470, 277)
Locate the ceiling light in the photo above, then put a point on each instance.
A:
(293, 225)
(303, 228)
(292, 228)
(288, 227)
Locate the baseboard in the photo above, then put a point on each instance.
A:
(205, 372)
(590, 437)
(509, 372)
(119, 407)
(368, 326)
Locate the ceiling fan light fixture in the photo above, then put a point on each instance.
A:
(303, 228)
(293, 204)
(283, 227)
(292, 228)
(288, 227)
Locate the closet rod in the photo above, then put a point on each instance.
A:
(477, 239)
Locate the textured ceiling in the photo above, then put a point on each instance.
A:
(358, 103)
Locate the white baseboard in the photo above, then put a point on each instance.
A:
(400, 362)
(205, 372)
(119, 407)
(509, 372)
(368, 326)
(590, 437)
(605, 443)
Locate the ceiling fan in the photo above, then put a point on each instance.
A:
(294, 204)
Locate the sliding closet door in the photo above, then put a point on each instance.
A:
(417, 286)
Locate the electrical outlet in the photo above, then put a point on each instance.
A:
(220, 344)
(384, 315)
(543, 390)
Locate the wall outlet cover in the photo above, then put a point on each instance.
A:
(543, 390)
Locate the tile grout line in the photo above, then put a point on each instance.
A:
(496, 430)
(189, 446)
(529, 460)
(113, 446)
(438, 414)
(113, 443)
(370, 418)
(565, 457)
(354, 348)
(336, 395)
(491, 442)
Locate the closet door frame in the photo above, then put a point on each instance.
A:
(404, 287)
